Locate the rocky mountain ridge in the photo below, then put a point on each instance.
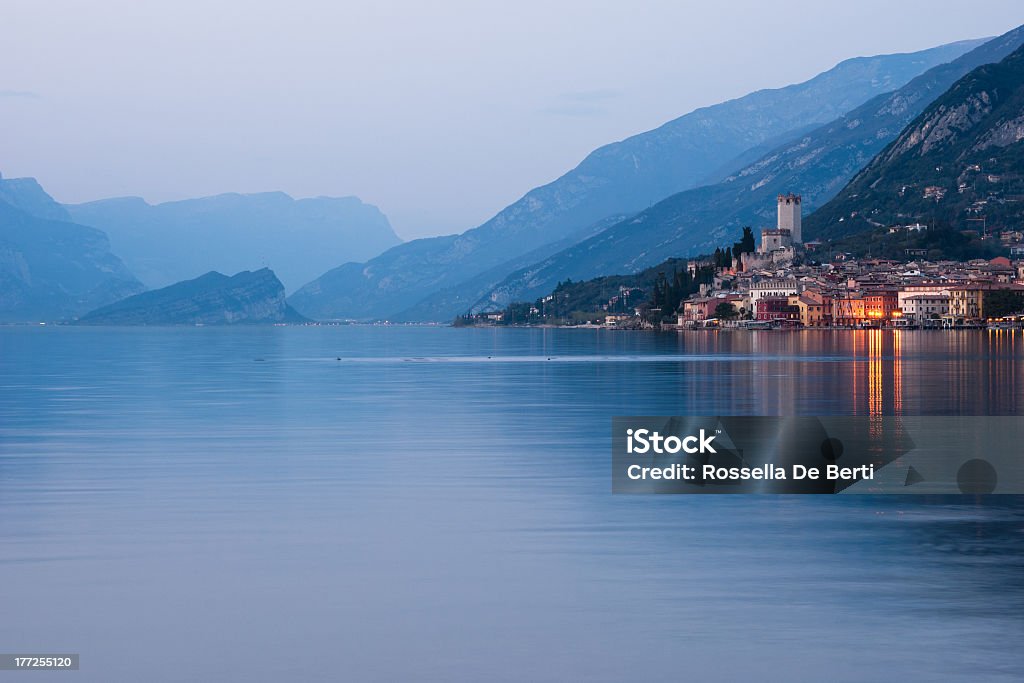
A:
(960, 163)
(211, 299)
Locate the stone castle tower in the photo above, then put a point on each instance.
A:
(789, 215)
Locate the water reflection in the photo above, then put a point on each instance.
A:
(436, 504)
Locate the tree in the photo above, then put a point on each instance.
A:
(746, 245)
(726, 311)
(722, 257)
(1001, 302)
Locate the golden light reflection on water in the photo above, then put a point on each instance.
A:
(962, 369)
(1002, 366)
(897, 372)
(875, 379)
(859, 372)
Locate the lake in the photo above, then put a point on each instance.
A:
(387, 503)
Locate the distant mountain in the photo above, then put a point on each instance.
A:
(438, 305)
(51, 269)
(29, 196)
(817, 165)
(212, 299)
(615, 180)
(961, 162)
(298, 238)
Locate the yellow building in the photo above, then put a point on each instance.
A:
(966, 303)
(815, 308)
(848, 311)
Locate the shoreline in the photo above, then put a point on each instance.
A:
(677, 328)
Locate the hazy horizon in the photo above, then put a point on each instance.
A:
(437, 115)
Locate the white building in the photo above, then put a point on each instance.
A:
(920, 307)
(773, 287)
(908, 291)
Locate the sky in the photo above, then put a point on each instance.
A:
(441, 113)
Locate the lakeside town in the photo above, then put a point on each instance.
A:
(784, 282)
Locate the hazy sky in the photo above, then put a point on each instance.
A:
(440, 112)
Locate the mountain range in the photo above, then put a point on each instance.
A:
(817, 164)
(960, 163)
(51, 268)
(603, 217)
(432, 279)
(56, 264)
(298, 238)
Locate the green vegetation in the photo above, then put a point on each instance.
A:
(722, 258)
(668, 293)
(939, 242)
(959, 163)
(1002, 302)
(726, 311)
(655, 293)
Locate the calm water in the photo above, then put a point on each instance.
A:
(240, 504)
